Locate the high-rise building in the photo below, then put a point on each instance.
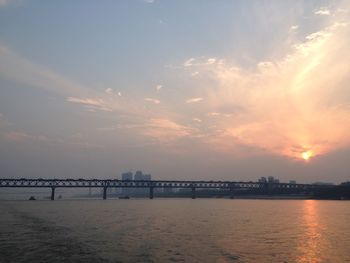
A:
(270, 179)
(138, 176)
(127, 176)
(262, 180)
(147, 177)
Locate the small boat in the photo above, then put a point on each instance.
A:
(124, 197)
(32, 198)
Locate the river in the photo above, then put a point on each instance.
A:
(174, 230)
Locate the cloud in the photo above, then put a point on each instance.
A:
(202, 61)
(189, 62)
(214, 113)
(293, 28)
(165, 130)
(91, 103)
(109, 91)
(159, 87)
(36, 75)
(149, 1)
(196, 73)
(194, 100)
(211, 61)
(155, 101)
(289, 105)
(284, 105)
(323, 12)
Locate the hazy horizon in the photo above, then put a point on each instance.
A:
(191, 90)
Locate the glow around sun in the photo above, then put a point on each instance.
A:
(307, 155)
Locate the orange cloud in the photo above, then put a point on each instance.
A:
(291, 105)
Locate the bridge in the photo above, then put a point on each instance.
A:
(114, 183)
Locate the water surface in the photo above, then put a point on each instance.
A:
(175, 230)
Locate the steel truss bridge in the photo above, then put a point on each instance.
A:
(112, 183)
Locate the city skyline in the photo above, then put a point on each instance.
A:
(235, 91)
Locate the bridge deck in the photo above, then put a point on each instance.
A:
(105, 183)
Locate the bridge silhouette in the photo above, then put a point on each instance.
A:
(151, 185)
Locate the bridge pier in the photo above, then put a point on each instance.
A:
(193, 193)
(104, 193)
(151, 193)
(52, 193)
(232, 193)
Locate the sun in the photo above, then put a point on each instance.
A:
(307, 155)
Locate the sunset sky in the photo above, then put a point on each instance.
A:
(212, 90)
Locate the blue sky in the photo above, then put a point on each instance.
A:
(181, 89)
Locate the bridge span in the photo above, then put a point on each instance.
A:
(114, 183)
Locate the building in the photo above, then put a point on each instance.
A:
(138, 176)
(262, 180)
(147, 177)
(270, 179)
(127, 176)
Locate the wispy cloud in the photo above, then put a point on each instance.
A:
(92, 103)
(279, 111)
(155, 101)
(293, 28)
(214, 113)
(323, 12)
(165, 130)
(109, 91)
(194, 100)
(189, 62)
(284, 105)
(36, 75)
(194, 74)
(201, 61)
(159, 87)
